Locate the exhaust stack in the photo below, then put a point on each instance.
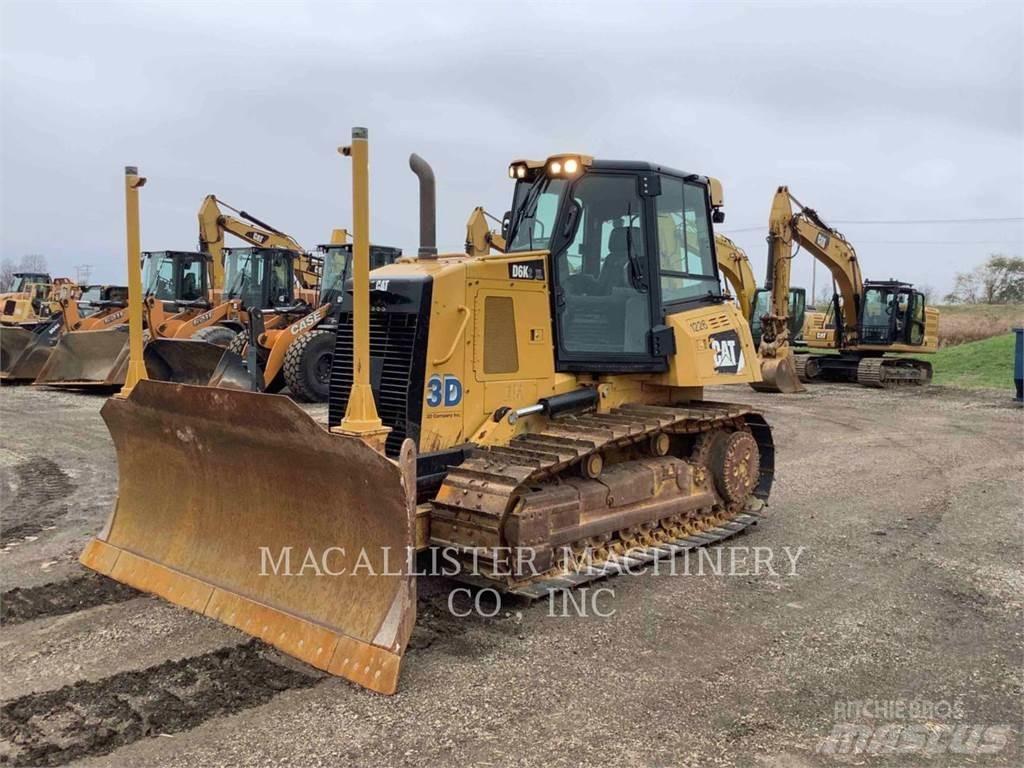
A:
(428, 206)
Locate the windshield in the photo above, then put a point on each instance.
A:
(158, 274)
(534, 208)
(243, 276)
(332, 285)
(21, 282)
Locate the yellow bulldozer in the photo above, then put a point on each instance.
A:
(525, 412)
(867, 320)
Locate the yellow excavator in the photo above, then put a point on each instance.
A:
(538, 415)
(867, 320)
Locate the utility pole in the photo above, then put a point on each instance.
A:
(82, 273)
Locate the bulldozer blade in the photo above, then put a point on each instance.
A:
(25, 351)
(88, 359)
(779, 375)
(239, 506)
(182, 361)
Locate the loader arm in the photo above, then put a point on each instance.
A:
(734, 264)
(213, 223)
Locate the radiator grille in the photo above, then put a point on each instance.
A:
(392, 349)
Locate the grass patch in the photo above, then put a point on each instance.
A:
(976, 364)
(963, 323)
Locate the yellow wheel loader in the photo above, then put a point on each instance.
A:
(72, 308)
(866, 321)
(28, 310)
(523, 412)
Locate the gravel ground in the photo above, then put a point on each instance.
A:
(906, 597)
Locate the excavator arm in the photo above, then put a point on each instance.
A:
(734, 264)
(213, 223)
(807, 230)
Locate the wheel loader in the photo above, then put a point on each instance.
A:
(867, 320)
(520, 411)
(72, 308)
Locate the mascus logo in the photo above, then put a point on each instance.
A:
(114, 317)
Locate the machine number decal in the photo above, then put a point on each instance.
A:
(699, 325)
(526, 270)
(444, 390)
(728, 352)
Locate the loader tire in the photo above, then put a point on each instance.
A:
(220, 335)
(237, 344)
(307, 366)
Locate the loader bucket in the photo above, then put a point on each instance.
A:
(779, 375)
(239, 506)
(187, 361)
(23, 352)
(88, 359)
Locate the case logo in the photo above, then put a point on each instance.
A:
(728, 352)
(526, 270)
(444, 390)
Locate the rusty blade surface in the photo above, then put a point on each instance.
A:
(240, 506)
(88, 358)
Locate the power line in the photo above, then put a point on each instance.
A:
(891, 222)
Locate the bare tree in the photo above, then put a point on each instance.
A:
(33, 262)
(1000, 280)
(7, 270)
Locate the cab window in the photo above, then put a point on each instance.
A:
(685, 251)
(192, 279)
(604, 303)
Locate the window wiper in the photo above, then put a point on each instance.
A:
(636, 274)
(528, 203)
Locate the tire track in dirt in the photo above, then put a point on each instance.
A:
(95, 718)
(61, 597)
(36, 493)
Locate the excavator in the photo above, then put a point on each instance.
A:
(72, 308)
(753, 301)
(867, 320)
(537, 415)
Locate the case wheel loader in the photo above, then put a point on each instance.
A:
(867, 323)
(72, 309)
(523, 411)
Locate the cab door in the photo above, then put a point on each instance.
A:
(601, 294)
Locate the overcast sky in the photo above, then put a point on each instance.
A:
(868, 112)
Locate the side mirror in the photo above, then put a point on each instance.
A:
(572, 221)
(717, 216)
(506, 222)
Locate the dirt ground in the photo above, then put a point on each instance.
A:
(902, 621)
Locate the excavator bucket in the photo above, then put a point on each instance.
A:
(88, 359)
(239, 506)
(779, 375)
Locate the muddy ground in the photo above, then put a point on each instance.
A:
(903, 618)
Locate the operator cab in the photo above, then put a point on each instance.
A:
(337, 267)
(260, 278)
(176, 276)
(892, 313)
(797, 312)
(22, 281)
(630, 244)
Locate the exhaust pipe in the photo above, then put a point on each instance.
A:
(428, 206)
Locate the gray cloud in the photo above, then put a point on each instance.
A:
(867, 111)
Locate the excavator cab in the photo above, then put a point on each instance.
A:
(892, 313)
(797, 312)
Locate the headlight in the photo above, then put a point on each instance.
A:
(521, 172)
(572, 165)
(554, 168)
